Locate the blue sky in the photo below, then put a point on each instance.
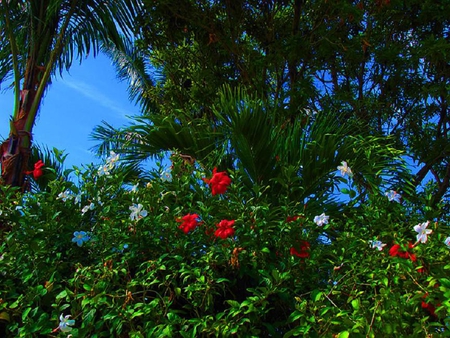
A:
(73, 106)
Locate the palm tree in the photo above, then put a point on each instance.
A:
(293, 158)
(39, 38)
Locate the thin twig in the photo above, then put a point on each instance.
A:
(373, 319)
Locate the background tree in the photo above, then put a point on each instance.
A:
(380, 63)
(40, 38)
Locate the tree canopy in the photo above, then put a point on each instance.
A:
(380, 63)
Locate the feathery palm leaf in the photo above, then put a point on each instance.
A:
(133, 65)
(297, 158)
(302, 155)
(147, 139)
(248, 124)
(39, 38)
(66, 29)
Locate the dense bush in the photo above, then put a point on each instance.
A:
(192, 252)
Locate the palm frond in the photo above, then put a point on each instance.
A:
(93, 24)
(133, 65)
(12, 35)
(147, 139)
(248, 124)
(110, 138)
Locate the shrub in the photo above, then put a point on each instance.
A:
(176, 256)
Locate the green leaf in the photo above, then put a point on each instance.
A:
(445, 282)
(56, 214)
(276, 275)
(316, 295)
(233, 303)
(294, 316)
(89, 316)
(172, 317)
(5, 316)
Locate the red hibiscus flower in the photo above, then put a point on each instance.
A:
(293, 218)
(396, 250)
(421, 270)
(428, 307)
(37, 171)
(219, 182)
(188, 222)
(303, 252)
(225, 229)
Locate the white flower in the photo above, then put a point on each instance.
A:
(321, 219)
(135, 187)
(65, 323)
(392, 195)
(104, 170)
(78, 198)
(377, 245)
(447, 241)
(166, 176)
(87, 207)
(345, 169)
(137, 211)
(109, 165)
(113, 157)
(422, 231)
(99, 201)
(64, 195)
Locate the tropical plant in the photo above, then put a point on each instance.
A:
(294, 158)
(195, 252)
(38, 39)
(365, 60)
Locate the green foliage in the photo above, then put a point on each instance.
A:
(295, 159)
(145, 277)
(54, 167)
(381, 63)
(275, 95)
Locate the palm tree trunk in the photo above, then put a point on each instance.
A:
(15, 151)
(14, 160)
